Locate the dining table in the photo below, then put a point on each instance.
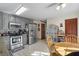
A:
(64, 48)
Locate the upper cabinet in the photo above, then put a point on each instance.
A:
(5, 19)
(12, 18)
(1, 20)
(22, 21)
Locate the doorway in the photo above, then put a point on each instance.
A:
(43, 31)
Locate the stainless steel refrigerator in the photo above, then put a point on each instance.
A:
(32, 33)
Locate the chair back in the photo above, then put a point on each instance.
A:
(71, 38)
(49, 41)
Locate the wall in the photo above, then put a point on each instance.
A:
(38, 32)
(61, 19)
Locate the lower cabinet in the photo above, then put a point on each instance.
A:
(24, 37)
(3, 47)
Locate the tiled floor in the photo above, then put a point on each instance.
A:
(37, 49)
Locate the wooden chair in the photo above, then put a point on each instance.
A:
(49, 41)
(71, 38)
(51, 47)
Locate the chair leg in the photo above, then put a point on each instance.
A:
(54, 54)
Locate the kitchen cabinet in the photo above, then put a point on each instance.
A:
(6, 18)
(12, 18)
(3, 47)
(20, 21)
(1, 21)
(23, 21)
(24, 37)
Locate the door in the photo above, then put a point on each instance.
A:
(42, 31)
(71, 28)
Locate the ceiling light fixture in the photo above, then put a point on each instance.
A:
(58, 7)
(63, 5)
(21, 10)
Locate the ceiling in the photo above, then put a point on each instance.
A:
(39, 10)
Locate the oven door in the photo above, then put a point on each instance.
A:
(14, 40)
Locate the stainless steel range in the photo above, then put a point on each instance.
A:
(15, 34)
(15, 42)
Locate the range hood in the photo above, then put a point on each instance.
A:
(15, 24)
